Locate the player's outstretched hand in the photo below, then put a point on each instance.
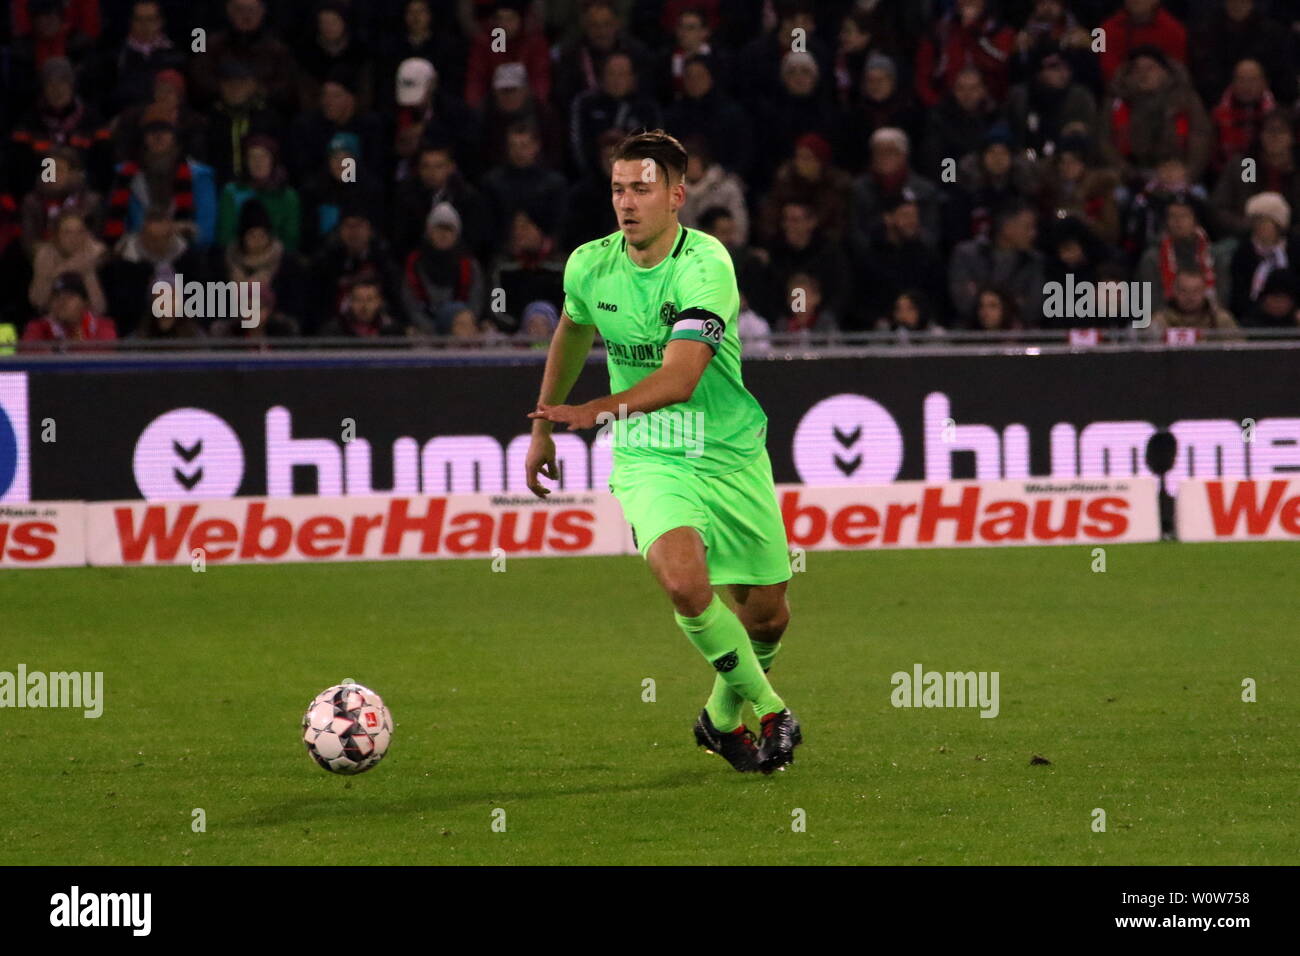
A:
(541, 460)
(575, 416)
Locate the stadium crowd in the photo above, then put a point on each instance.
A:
(399, 167)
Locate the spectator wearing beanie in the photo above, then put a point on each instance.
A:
(326, 193)
(1073, 249)
(883, 102)
(59, 118)
(531, 268)
(168, 99)
(162, 176)
(70, 318)
(1268, 248)
(337, 111)
(437, 179)
(539, 323)
(72, 250)
(809, 178)
(987, 181)
(258, 256)
(800, 106)
(441, 270)
(264, 178)
(240, 111)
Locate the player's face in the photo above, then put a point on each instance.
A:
(644, 201)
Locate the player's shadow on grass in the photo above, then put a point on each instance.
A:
(371, 802)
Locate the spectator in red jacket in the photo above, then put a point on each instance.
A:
(1141, 23)
(511, 45)
(967, 36)
(70, 318)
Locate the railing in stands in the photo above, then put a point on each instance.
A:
(777, 345)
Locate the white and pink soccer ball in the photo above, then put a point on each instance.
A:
(347, 728)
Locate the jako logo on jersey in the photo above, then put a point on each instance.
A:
(727, 662)
(607, 306)
(668, 313)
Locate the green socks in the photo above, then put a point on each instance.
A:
(724, 705)
(721, 638)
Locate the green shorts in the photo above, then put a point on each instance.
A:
(736, 515)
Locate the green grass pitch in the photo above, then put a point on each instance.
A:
(522, 691)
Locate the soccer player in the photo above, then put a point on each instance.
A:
(689, 442)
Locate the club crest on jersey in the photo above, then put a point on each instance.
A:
(668, 313)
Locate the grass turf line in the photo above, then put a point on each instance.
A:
(522, 691)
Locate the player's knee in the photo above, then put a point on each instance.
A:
(769, 623)
(691, 597)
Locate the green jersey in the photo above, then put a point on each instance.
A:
(691, 295)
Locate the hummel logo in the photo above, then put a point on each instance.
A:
(607, 306)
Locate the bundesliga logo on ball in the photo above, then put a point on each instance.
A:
(347, 728)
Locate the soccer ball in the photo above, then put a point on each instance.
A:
(347, 728)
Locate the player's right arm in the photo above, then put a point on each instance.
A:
(564, 361)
